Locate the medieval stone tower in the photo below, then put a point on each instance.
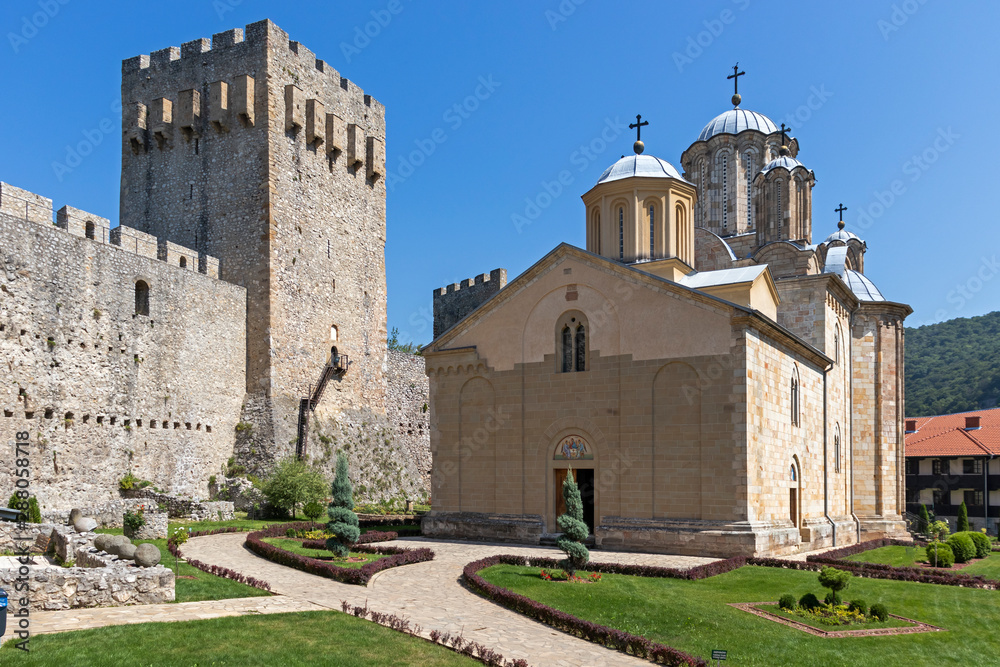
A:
(249, 148)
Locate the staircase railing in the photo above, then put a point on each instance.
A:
(336, 366)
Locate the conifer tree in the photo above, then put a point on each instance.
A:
(575, 531)
(925, 519)
(343, 521)
(963, 518)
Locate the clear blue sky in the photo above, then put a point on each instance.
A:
(902, 96)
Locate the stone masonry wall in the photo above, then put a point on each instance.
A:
(274, 162)
(454, 302)
(409, 410)
(101, 389)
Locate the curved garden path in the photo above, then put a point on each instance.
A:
(431, 595)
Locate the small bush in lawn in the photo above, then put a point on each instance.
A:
(836, 580)
(833, 598)
(313, 510)
(809, 601)
(879, 612)
(963, 547)
(940, 555)
(859, 606)
(787, 602)
(963, 519)
(981, 542)
(343, 521)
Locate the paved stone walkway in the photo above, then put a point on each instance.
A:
(428, 594)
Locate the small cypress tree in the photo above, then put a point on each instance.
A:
(925, 519)
(575, 531)
(963, 518)
(343, 521)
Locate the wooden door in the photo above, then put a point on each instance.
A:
(793, 509)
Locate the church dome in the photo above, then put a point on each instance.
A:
(785, 161)
(842, 235)
(735, 121)
(639, 165)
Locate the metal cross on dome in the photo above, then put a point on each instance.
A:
(784, 131)
(841, 210)
(735, 76)
(637, 126)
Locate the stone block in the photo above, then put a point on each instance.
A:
(134, 241)
(218, 105)
(315, 122)
(25, 205)
(294, 107)
(376, 157)
(189, 112)
(135, 121)
(355, 144)
(208, 265)
(161, 120)
(83, 224)
(336, 133)
(243, 99)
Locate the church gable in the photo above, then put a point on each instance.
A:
(622, 312)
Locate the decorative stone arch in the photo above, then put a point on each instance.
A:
(722, 166)
(750, 165)
(477, 455)
(572, 342)
(594, 231)
(593, 443)
(141, 296)
(795, 396)
(621, 224)
(682, 233)
(794, 482)
(652, 229)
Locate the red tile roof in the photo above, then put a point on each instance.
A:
(945, 435)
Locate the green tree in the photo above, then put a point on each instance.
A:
(836, 580)
(393, 343)
(963, 518)
(925, 519)
(343, 521)
(293, 484)
(575, 531)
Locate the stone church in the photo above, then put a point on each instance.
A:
(239, 309)
(717, 382)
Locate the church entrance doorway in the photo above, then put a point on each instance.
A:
(585, 481)
(793, 509)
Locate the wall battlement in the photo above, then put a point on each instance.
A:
(25, 205)
(454, 302)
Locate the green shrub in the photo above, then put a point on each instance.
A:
(833, 598)
(787, 602)
(859, 606)
(981, 542)
(128, 482)
(963, 520)
(940, 555)
(343, 522)
(963, 547)
(29, 508)
(836, 580)
(925, 519)
(313, 510)
(879, 612)
(133, 521)
(809, 601)
(574, 530)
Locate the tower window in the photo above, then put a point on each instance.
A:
(567, 349)
(621, 233)
(580, 343)
(652, 232)
(183, 262)
(90, 230)
(725, 192)
(571, 341)
(141, 298)
(748, 167)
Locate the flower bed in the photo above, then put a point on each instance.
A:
(367, 538)
(218, 570)
(594, 632)
(360, 576)
(893, 572)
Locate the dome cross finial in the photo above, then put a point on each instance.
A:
(784, 140)
(638, 146)
(840, 209)
(735, 76)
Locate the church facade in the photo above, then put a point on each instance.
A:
(717, 383)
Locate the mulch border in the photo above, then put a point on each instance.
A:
(917, 627)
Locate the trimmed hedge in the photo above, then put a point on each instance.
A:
(981, 542)
(861, 547)
(359, 576)
(962, 546)
(367, 538)
(939, 554)
(619, 640)
(218, 570)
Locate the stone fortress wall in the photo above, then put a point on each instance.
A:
(103, 390)
(454, 302)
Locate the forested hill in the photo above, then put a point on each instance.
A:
(953, 366)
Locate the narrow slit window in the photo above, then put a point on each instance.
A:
(652, 231)
(141, 298)
(581, 348)
(621, 233)
(567, 349)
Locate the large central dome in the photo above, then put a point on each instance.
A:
(735, 121)
(640, 165)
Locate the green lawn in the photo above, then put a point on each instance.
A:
(203, 586)
(988, 567)
(295, 546)
(305, 638)
(694, 616)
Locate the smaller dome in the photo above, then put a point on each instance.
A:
(784, 161)
(841, 235)
(639, 165)
(862, 287)
(735, 121)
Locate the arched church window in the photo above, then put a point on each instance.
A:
(725, 193)
(580, 351)
(778, 212)
(596, 231)
(704, 190)
(791, 473)
(652, 232)
(748, 172)
(682, 238)
(836, 450)
(794, 390)
(621, 232)
(836, 346)
(567, 349)
(141, 297)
